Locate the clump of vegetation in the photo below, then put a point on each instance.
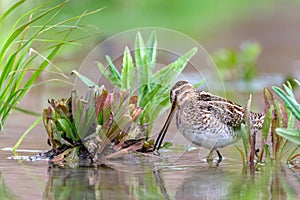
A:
(153, 85)
(290, 133)
(238, 65)
(102, 125)
(278, 129)
(18, 58)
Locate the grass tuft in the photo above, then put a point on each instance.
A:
(21, 46)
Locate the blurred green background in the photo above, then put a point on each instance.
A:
(202, 20)
(213, 24)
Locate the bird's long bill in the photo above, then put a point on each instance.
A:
(163, 131)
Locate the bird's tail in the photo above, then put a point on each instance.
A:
(257, 120)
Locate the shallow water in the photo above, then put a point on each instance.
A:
(177, 174)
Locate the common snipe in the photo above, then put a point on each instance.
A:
(205, 119)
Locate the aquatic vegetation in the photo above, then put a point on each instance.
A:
(290, 133)
(33, 32)
(101, 125)
(153, 84)
(106, 125)
(279, 137)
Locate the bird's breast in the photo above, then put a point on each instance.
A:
(203, 128)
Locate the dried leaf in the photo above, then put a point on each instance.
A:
(123, 152)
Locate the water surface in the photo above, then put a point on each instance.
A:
(176, 174)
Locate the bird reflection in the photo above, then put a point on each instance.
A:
(211, 183)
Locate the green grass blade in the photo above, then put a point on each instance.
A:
(48, 58)
(108, 75)
(151, 47)
(66, 126)
(85, 79)
(19, 30)
(297, 82)
(266, 130)
(114, 71)
(72, 19)
(10, 62)
(13, 79)
(11, 9)
(20, 93)
(84, 114)
(26, 132)
(141, 65)
(248, 128)
(290, 102)
(291, 119)
(196, 85)
(25, 111)
(27, 14)
(170, 72)
(292, 135)
(289, 90)
(140, 52)
(127, 77)
(241, 153)
(245, 141)
(280, 114)
(267, 123)
(268, 99)
(293, 153)
(14, 52)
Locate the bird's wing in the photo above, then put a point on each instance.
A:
(228, 112)
(206, 96)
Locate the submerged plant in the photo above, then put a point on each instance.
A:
(19, 66)
(100, 125)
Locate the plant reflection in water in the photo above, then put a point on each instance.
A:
(190, 182)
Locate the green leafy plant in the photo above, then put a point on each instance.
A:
(290, 133)
(101, 125)
(278, 129)
(19, 60)
(108, 125)
(289, 98)
(152, 85)
(238, 65)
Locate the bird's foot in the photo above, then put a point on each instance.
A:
(220, 156)
(210, 158)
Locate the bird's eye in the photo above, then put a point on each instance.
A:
(177, 92)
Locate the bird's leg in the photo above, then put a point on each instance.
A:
(219, 155)
(210, 156)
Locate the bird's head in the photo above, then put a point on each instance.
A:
(181, 92)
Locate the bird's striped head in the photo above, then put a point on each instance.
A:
(181, 92)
